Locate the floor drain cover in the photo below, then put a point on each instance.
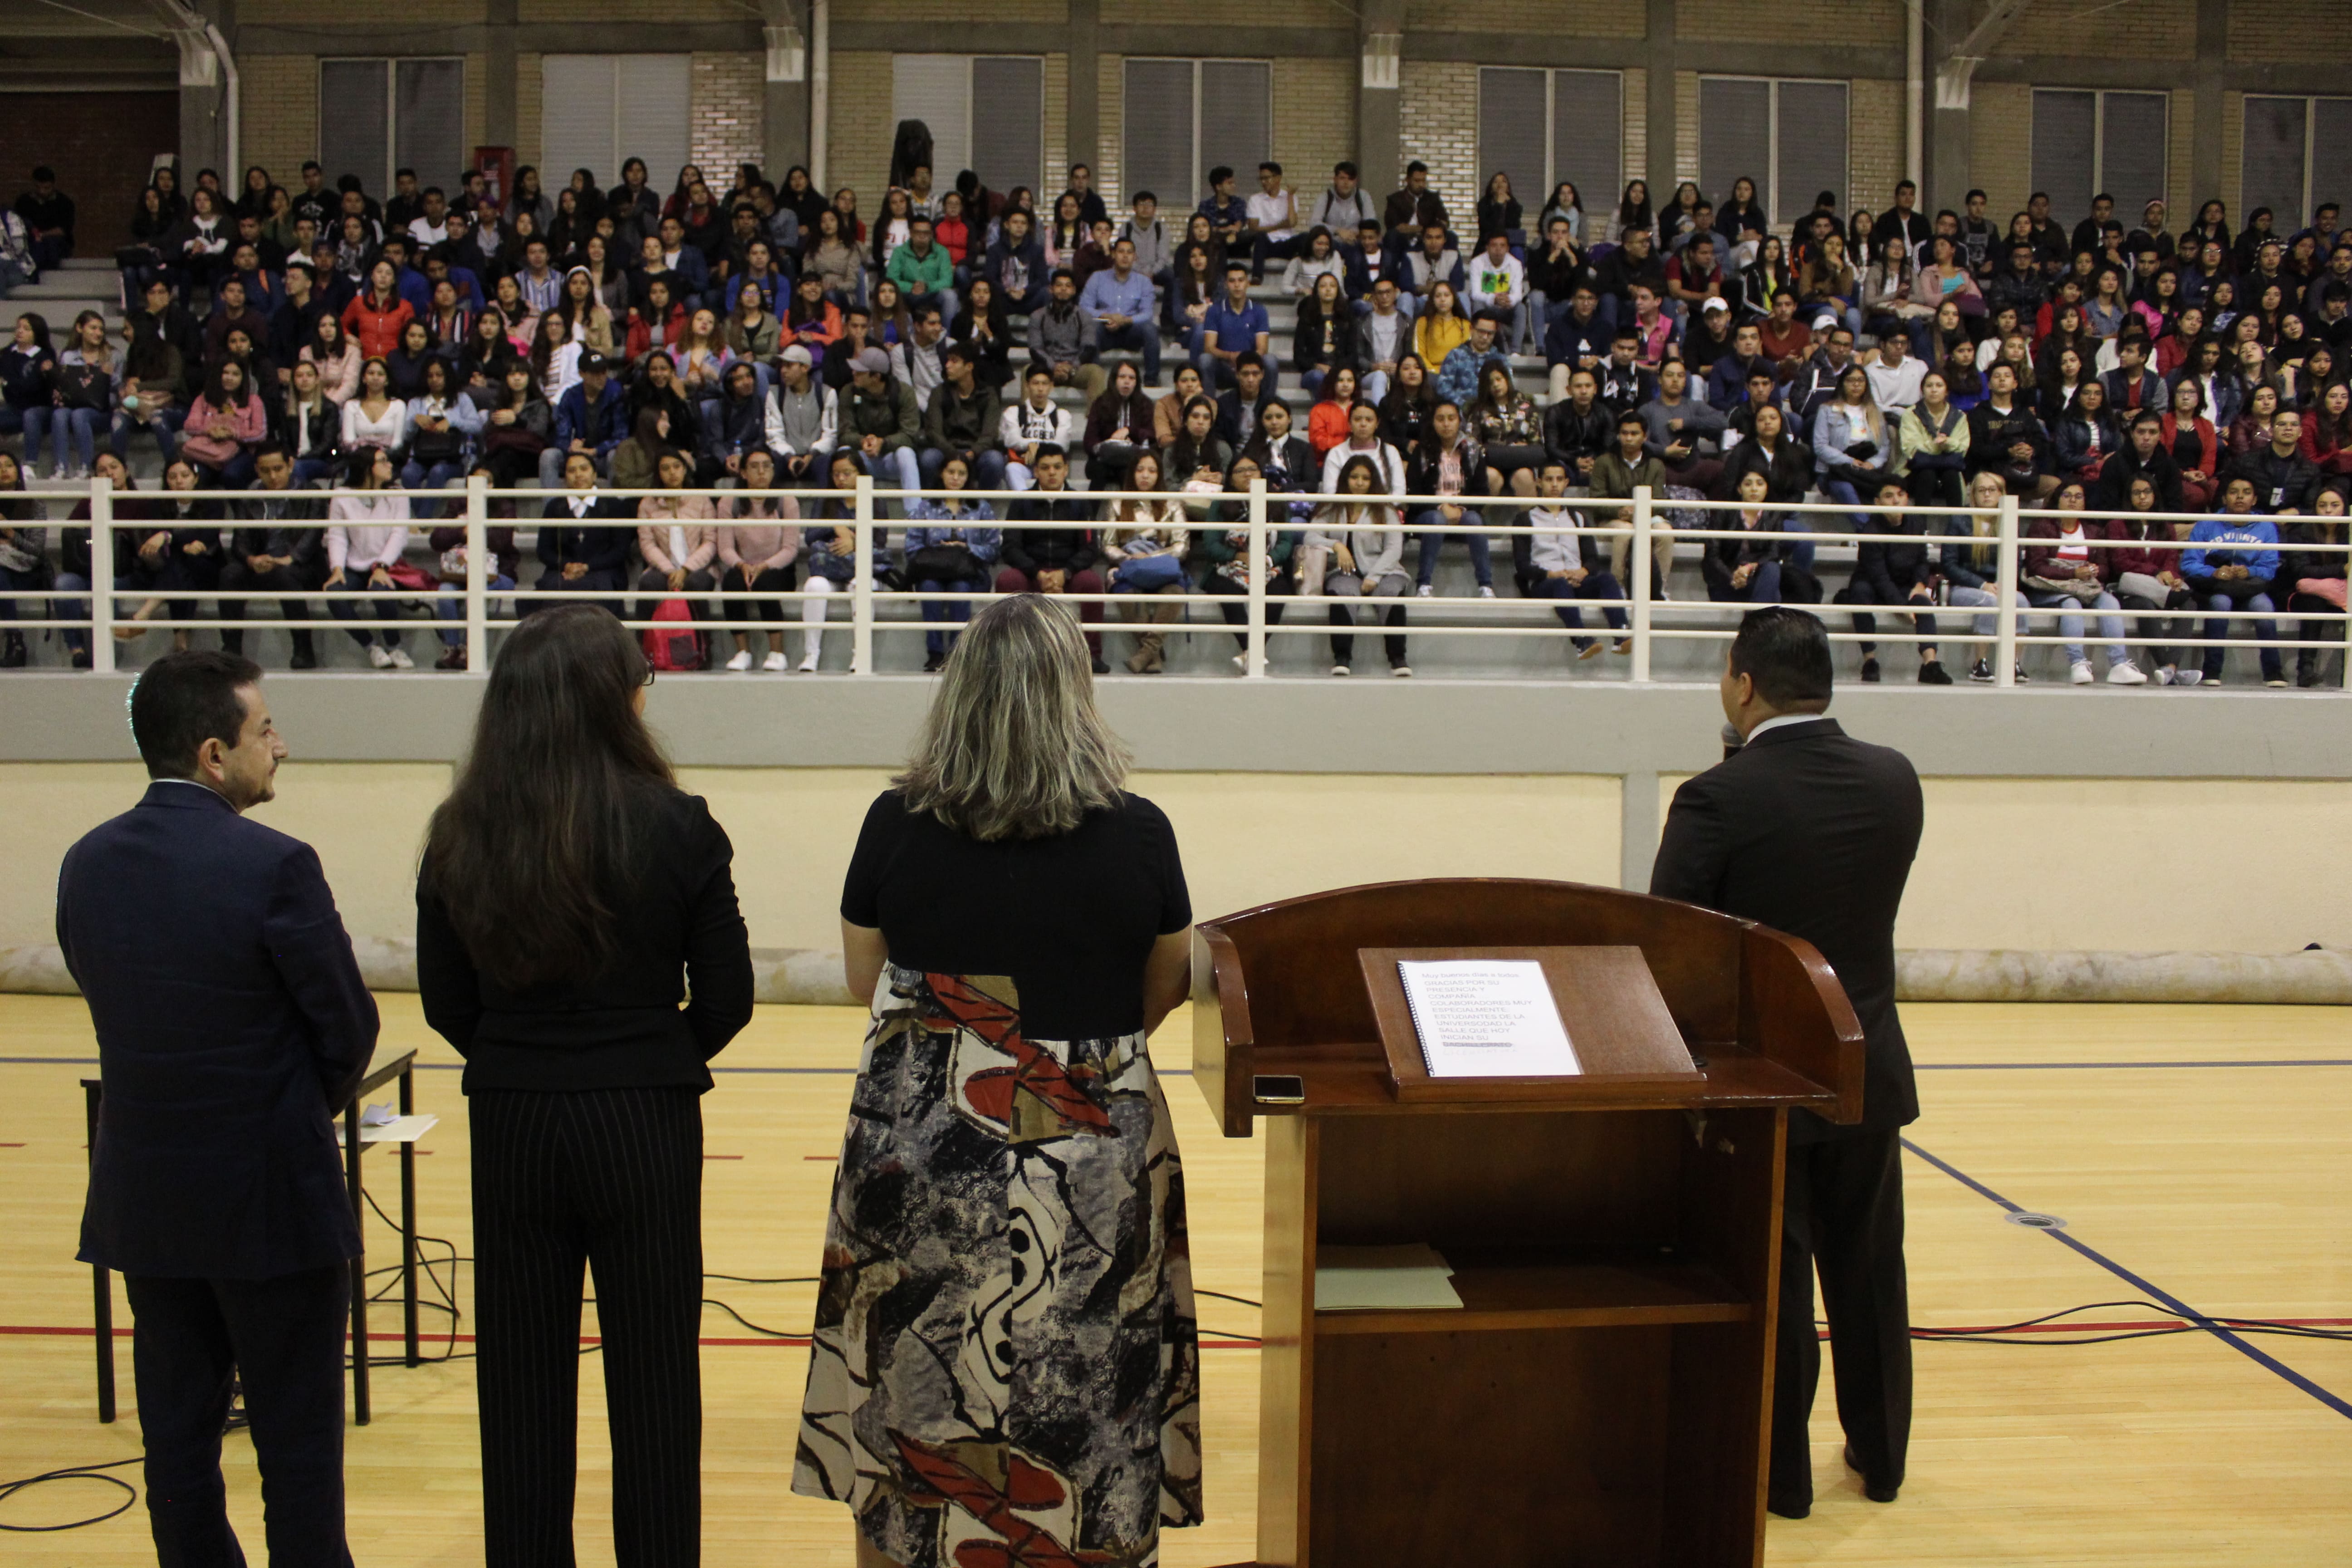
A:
(2035, 1221)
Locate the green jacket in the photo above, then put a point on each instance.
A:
(920, 274)
(1613, 479)
(891, 415)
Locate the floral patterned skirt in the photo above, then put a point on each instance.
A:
(1004, 1372)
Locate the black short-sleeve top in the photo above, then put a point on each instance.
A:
(1071, 919)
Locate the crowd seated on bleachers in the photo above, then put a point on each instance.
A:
(565, 342)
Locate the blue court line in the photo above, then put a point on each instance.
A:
(2173, 1303)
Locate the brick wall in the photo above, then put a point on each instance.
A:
(280, 109)
(2264, 35)
(530, 97)
(1440, 127)
(961, 11)
(728, 114)
(477, 129)
(1208, 14)
(1314, 119)
(1598, 205)
(2180, 153)
(859, 128)
(1874, 142)
(2142, 30)
(1867, 22)
(1110, 118)
(2233, 147)
(101, 143)
(1525, 17)
(2001, 147)
(582, 12)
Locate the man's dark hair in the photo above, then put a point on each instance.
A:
(1974, 192)
(1416, 167)
(1631, 418)
(1269, 168)
(1248, 359)
(925, 311)
(44, 176)
(1344, 168)
(1144, 196)
(2148, 416)
(1220, 175)
(1786, 652)
(184, 700)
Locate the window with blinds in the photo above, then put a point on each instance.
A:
(376, 116)
(2296, 153)
(985, 113)
(1541, 127)
(1184, 118)
(1790, 136)
(597, 112)
(2086, 143)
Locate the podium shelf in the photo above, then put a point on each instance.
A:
(1352, 1078)
(1552, 1290)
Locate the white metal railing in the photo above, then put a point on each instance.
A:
(1828, 523)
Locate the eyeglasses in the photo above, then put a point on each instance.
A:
(648, 680)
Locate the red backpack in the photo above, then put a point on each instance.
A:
(673, 643)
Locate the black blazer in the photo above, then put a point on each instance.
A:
(679, 928)
(233, 1028)
(1811, 832)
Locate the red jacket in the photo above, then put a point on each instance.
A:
(2045, 526)
(641, 333)
(377, 331)
(2145, 559)
(2208, 444)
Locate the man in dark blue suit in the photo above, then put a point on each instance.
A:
(232, 1025)
(1812, 832)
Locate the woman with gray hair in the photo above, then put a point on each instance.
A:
(1004, 1365)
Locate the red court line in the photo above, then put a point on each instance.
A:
(832, 1157)
(722, 1156)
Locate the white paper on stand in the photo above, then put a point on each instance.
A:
(1487, 1018)
(1384, 1278)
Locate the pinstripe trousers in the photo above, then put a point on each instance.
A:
(611, 1179)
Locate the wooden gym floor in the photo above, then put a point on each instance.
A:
(2197, 1153)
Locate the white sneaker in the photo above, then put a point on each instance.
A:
(2187, 676)
(1341, 669)
(1425, 591)
(775, 662)
(400, 661)
(1241, 662)
(1488, 592)
(2082, 675)
(2166, 675)
(379, 657)
(742, 660)
(1402, 671)
(808, 664)
(2125, 675)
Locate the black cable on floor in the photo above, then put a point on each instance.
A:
(74, 1473)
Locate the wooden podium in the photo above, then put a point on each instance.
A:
(1602, 1397)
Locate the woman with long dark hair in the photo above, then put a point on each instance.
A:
(1007, 1292)
(578, 940)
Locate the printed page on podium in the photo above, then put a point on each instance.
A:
(1487, 1018)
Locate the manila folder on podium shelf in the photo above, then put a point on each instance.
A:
(1618, 1030)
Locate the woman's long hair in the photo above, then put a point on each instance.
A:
(546, 826)
(1014, 747)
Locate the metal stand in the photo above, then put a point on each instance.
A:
(402, 1067)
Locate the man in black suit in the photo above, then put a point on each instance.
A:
(1811, 832)
(232, 1025)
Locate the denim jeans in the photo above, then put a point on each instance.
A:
(939, 611)
(2111, 627)
(66, 609)
(165, 428)
(1434, 536)
(1135, 335)
(1596, 585)
(2219, 596)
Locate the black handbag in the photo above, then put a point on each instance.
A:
(942, 564)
